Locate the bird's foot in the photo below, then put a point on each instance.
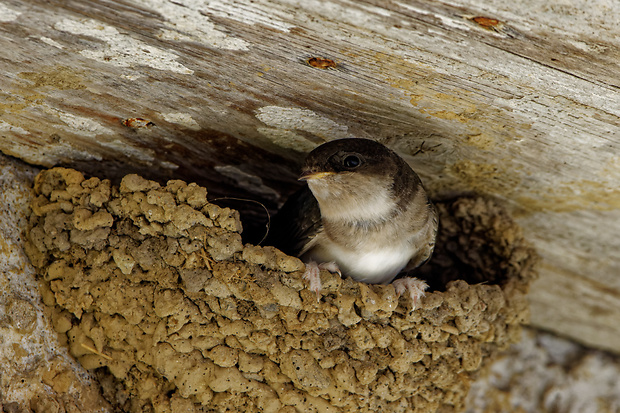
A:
(331, 267)
(414, 286)
(313, 274)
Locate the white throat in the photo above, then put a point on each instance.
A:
(365, 204)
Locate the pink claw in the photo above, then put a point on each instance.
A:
(313, 274)
(415, 287)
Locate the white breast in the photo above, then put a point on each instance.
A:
(373, 266)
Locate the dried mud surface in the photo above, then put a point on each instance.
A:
(151, 287)
(36, 373)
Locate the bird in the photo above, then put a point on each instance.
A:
(364, 213)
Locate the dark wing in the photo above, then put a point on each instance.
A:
(296, 223)
(426, 251)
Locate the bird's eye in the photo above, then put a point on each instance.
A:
(351, 161)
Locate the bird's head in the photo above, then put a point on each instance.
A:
(353, 178)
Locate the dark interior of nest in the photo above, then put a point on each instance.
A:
(477, 241)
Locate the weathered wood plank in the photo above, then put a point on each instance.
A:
(523, 105)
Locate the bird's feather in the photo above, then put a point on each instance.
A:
(296, 224)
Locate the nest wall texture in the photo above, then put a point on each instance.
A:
(151, 287)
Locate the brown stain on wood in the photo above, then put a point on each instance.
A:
(137, 123)
(486, 22)
(321, 63)
(498, 179)
(57, 77)
(574, 196)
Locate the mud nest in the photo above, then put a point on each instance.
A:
(151, 287)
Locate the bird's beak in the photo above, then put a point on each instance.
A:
(314, 175)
